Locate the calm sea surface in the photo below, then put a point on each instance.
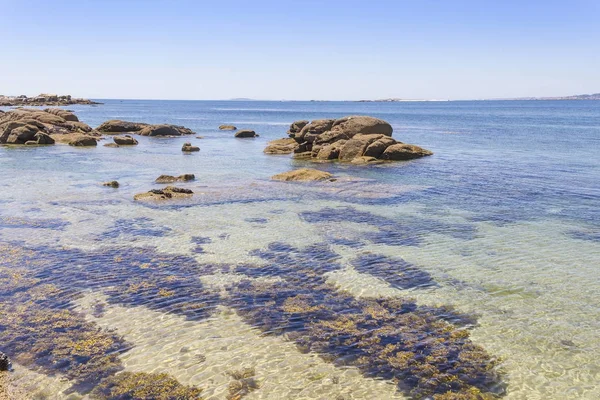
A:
(497, 235)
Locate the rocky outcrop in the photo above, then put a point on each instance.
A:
(281, 146)
(170, 192)
(112, 184)
(188, 148)
(245, 133)
(84, 141)
(116, 126)
(171, 179)
(35, 126)
(303, 174)
(43, 99)
(125, 140)
(228, 128)
(357, 139)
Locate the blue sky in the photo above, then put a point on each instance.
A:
(337, 50)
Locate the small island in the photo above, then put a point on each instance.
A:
(43, 99)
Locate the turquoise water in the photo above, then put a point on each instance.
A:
(502, 223)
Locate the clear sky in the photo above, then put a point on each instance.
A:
(305, 49)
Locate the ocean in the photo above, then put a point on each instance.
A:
(479, 265)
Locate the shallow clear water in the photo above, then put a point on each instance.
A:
(502, 223)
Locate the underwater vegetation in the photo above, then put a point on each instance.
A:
(199, 241)
(144, 386)
(141, 226)
(396, 271)
(589, 235)
(243, 383)
(399, 231)
(385, 338)
(36, 330)
(25, 222)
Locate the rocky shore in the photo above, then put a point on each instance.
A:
(43, 99)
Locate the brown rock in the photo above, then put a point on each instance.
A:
(111, 145)
(355, 124)
(296, 127)
(356, 146)
(64, 114)
(84, 141)
(126, 140)
(377, 148)
(315, 128)
(281, 146)
(165, 130)
(401, 152)
(118, 126)
(331, 151)
(245, 133)
(303, 174)
(171, 179)
(170, 192)
(227, 128)
(363, 160)
(187, 147)
(112, 184)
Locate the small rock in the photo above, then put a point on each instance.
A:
(171, 179)
(112, 184)
(126, 140)
(303, 174)
(111, 145)
(5, 364)
(227, 128)
(170, 192)
(245, 133)
(187, 147)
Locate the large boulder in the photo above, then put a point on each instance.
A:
(356, 124)
(281, 146)
(165, 130)
(356, 146)
(227, 128)
(118, 126)
(312, 130)
(303, 174)
(125, 140)
(402, 152)
(245, 133)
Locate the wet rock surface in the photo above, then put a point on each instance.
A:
(171, 178)
(228, 128)
(116, 126)
(245, 134)
(281, 146)
(170, 192)
(125, 140)
(112, 184)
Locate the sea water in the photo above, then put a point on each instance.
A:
(502, 223)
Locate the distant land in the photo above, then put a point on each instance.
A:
(595, 96)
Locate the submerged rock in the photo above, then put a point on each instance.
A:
(126, 140)
(170, 192)
(360, 138)
(187, 147)
(41, 127)
(171, 179)
(112, 184)
(281, 146)
(245, 133)
(303, 174)
(227, 128)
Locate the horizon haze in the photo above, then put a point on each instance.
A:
(271, 50)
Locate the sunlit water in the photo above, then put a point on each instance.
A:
(503, 223)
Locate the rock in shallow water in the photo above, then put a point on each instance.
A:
(245, 133)
(5, 364)
(227, 128)
(170, 192)
(84, 141)
(303, 174)
(112, 184)
(125, 140)
(187, 147)
(171, 178)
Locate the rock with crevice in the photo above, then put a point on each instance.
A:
(168, 193)
(281, 146)
(84, 141)
(116, 126)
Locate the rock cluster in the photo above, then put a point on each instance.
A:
(357, 139)
(187, 147)
(43, 99)
(116, 126)
(35, 126)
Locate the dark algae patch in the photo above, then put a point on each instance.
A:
(243, 383)
(397, 272)
(27, 222)
(144, 386)
(141, 226)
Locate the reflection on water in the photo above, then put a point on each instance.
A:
(469, 275)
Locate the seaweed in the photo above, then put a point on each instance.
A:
(198, 241)
(37, 223)
(243, 383)
(396, 271)
(141, 226)
(385, 338)
(144, 386)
